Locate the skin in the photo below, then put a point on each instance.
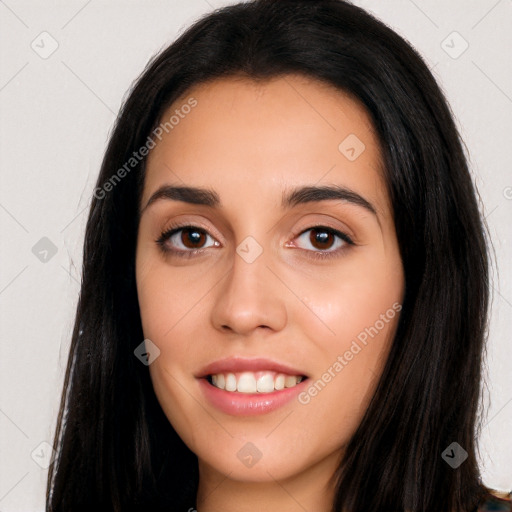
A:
(250, 141)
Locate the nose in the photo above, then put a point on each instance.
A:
(249, 297)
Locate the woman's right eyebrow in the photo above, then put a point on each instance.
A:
(291, 198)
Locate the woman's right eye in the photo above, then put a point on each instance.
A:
(189, 237)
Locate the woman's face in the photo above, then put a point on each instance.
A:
(289, 268)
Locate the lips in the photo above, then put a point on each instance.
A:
(239, 386)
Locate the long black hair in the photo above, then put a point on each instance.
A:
(116, 450)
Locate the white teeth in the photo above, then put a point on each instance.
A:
(290, 381)
(254, 382)
(246, 383)
(279, 382)
(230, 382)
(265, 383)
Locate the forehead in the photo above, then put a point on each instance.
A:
(267, 135)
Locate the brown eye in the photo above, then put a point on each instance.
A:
(321, 238)
(325, 241)
(184, 240)
(192, 238)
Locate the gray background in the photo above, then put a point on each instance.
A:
(56, 112)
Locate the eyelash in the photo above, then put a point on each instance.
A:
(173, 229)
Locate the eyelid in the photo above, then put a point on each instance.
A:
(325, 224)
(177, 224)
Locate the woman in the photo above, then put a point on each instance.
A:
(222, 358)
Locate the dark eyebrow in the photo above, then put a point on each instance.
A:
(192, 195)
(301, 195)
(310, 194)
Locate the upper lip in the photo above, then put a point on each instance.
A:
(240, 364)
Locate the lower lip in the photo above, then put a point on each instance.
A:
(249, 404)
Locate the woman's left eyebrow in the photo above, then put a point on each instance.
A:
(291, 198)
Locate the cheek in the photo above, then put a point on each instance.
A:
(169, 303)
(165, 295)
(165, 311)
(352, 323)
(360, 297)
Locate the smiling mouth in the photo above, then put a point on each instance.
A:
(254, 382)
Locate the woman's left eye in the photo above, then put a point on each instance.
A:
(190, 241)
(322, 236)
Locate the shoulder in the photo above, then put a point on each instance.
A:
(497, 502)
